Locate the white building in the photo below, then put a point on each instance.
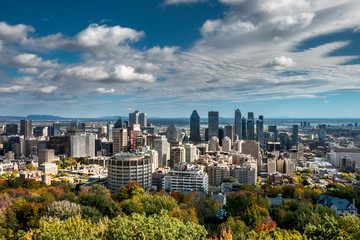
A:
(186, 178)
(190, 153)
(130, 167)
(337, 153)
(162, 147)
(214, 144)
(226, 144)
(82, 145)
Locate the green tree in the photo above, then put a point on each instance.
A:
(63, 210)
(129, 191)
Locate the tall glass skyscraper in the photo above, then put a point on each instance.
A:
(238, 123)
(243, 128)
(195, 127)
(250, 126)
(213, 123)
(260, 129)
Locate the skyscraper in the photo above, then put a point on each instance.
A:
(243, 128)
(273, 130)
(162, 146)
(109, 131)
(195, 127)
(172, 133)
(120, 140)
(82, 145)
(213, 124)
(56, 129)
(260, 129)
(138, 118)
(238, 123)
(295, 135)
(250, 126)
(11, 128)
(142, 119)
(229, 132)
(26, 128)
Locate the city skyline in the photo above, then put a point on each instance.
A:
(297, 59)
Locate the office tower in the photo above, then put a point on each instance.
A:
(195, 127)
(229, 132)
(74, 125)
(172, 133)
(134, 118)
(177, 154)
(162, 146)
(129, 167)
(120, 140)
(46, 155)
(82, 145)
(190, 153)
(135, 131)
(40, 131)
(109, 131)
(186, 178)
(120, 123)
(250, 127)
(56, 129)
(11, 129)
(226, 144)
(138, 118)
(322, 132)
(273, 130)
(260, 129)
(221, 135)
(238, 124)
(243, 126)
(295, 135)
(60, 144)
(26, 128)
(213, 124)
(142, 119)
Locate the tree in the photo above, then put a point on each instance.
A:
(231, 180)
(99, 197)
(129, 191)
(63, 210)
(238, 228)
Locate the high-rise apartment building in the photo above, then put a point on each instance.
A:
(252, 148)
(226, 144)
(217, 173)
(322, 132)
(195, 127)
(214, 144)
(129, 167)
(143, 119)
(246, 173)
(26, 128)
(213, 124)
(120, 140)
(238, 124)
(190, 153)
(177, 154)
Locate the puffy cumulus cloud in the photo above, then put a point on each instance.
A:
(32, 60)
(105, 91)
(161, 54)
(177, 2)
(11, 89)
(101, 36)
(31, 70)
(13, 33)
(48, 89)
(280, 62)
(99, 73)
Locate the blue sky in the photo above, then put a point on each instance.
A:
(273, 57)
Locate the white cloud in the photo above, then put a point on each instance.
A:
(119, 72)
(11, 89)
(280, 62)
(48, 89)
(96, 36)
(104, 91)
(31, 70)
(32, 60)
(13, 33)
